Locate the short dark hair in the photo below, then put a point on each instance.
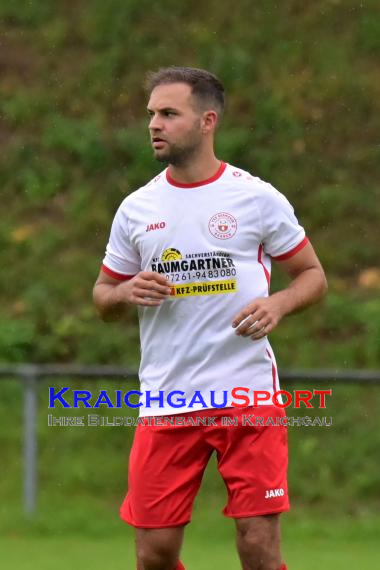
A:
(205, 86)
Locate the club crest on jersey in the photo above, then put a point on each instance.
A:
(156, 226)
(222, 225)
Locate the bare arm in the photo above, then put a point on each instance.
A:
(112, 297)
(307, 287)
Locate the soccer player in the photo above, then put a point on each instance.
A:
(192, 249)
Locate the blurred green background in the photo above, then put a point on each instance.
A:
(302, 112)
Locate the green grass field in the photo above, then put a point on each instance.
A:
(331, 544)
(45, 554)
(86, 534)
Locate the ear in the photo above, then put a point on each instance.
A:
(209, 121)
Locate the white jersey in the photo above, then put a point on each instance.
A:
(214, 241)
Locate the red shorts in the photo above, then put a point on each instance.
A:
(167, 463)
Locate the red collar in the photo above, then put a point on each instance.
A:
(217, 175)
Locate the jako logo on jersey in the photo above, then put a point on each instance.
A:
(157, 226)
(272, 493)
(222, 225)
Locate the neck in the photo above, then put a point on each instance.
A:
(199, 168)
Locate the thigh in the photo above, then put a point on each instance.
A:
(253, 461)
(165, 471)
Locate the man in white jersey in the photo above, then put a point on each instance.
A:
(192, 249)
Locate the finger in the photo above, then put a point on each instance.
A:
(260, 321)
(157, 277)
(263, 332)
(250, 323)
(254, 329)
(246, 324)
(259, 336)
(151, 285)
(243, 316)
(259, 324)
(145, 293)
(145, 302)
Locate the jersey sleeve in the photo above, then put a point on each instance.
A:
(282, 235)
(121, 260)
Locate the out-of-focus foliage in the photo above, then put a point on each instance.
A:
(302, 113)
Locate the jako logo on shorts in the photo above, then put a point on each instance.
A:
(272, 493)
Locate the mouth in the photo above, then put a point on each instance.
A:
(158, 142)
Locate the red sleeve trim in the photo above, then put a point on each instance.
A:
(293, 251)
(115, 275)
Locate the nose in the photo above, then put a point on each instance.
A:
(155, 123)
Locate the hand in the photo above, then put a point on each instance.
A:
(147, 288)
(259, 318)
